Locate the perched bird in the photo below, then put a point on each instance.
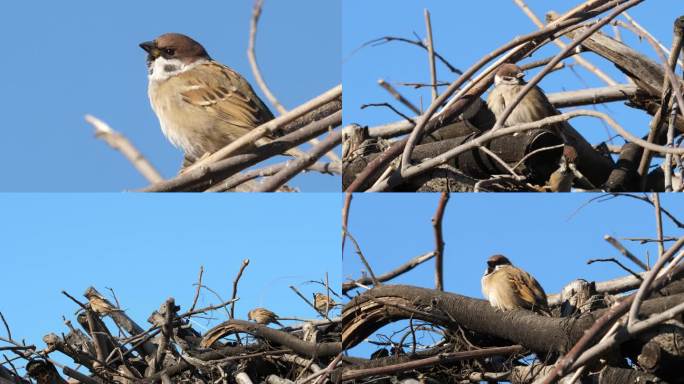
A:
(323, 303)
(508, 287)
(561, 179)
(202, 105)
(263, 316)
(508, 82)
(100, 305)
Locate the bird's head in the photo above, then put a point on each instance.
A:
(496, 261)
(509, 74)
(171, 52)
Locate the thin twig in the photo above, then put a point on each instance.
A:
(119, 142)
(659, 223)
(292, 287)
(244, 265)
(268, 127)
(419, 43)
(519, 46)
(670, 142)
(431, 55)
(7, 328)
(376, 282)
(439, 240)
(238, 180)
(345, 217)
(251, 56)
(223, 168)
(323, 372)
(516, 48)
(398, 96)
(646, 285)
(443, 358)
(625, 252)
(501, 119)
(199, 287)
(407, 266)
(646, 33)
(499, 160)
(492, 134)
(578, 59)
(388, 105)
(299, 164)
(616, 261)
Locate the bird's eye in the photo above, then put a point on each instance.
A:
(169, 51)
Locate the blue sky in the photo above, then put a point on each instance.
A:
(550, 236)
(463, 32)
(148, 248)
(66, 59)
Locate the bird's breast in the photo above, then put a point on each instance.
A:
(534, 106)
(185, 126)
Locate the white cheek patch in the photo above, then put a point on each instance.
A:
(161, 68)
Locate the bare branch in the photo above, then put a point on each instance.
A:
(439, 241)
(120, 143)
(431, 54)
(244, 265)
(625, 252)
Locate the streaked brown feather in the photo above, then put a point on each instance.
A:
(232, 99)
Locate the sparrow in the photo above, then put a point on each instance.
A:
(561, 179)
(100, 305)
(508, 82)
(508, 287)
(323, 303)
(263, 316)
(202, 105)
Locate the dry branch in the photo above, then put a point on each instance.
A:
(171, 350)
(120, 143)
(593, 167)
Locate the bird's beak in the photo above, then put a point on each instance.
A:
(151, 48)
(520, 75)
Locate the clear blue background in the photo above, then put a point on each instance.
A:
(550, 236)
(463, 32)
(148, 248)
(62, 60)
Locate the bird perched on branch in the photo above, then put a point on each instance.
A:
(323, 303)
(508, 287)
(100, 305)
(561, 179)
(263, 316)
(202, 105)
(508, 82)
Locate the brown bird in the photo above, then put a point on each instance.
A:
(508, 82)
(263, 316)
(561, 179)
(323, 303)
(202, 105)
(100, 305)
(508, 287)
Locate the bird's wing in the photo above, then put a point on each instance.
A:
(270, 314)
(224, 93)
(528, 290)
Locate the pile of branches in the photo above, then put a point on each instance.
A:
(234, 168)
(625, 330)
(457, 144)
(171, 350)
